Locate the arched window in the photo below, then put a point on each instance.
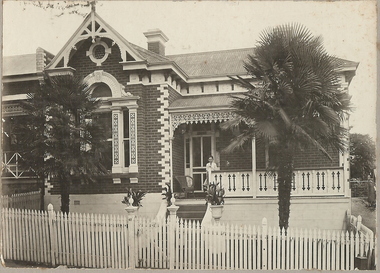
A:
(101, 90)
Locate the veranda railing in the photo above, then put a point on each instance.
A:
(261, 183)
(126, 241)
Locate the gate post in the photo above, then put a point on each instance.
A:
(52, 232)
(264, 243)
(172, 221)
(131, 234)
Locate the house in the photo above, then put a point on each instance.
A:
(164, 114)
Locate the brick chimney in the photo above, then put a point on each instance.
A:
(156, 41)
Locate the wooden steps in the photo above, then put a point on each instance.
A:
(192, 211)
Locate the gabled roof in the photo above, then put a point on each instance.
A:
(150, 56)
(224, 62)
(88, 29)
(213, 63)
(20, 65)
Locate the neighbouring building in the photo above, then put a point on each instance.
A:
(164, 114)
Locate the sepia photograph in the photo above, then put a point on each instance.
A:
(188, 135)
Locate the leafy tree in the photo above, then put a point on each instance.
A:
(60, 138)
(362, 156)
(65, 7)
(297, 102)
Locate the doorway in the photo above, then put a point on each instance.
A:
(197, 151)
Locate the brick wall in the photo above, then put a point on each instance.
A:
(260, 154)
(15, 88)
(173, 95)
(148, 126)
(157, 47)
(178, 158)
(311, 157)
(240, 159)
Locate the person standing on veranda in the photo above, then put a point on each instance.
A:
(210, 167)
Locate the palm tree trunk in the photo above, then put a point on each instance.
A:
(65, 192)
(285, 173)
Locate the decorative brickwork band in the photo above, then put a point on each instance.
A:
(115, 134)
(132, 137)
(204, 117)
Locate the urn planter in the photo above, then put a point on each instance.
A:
(216, 212)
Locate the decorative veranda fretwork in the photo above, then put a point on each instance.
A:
(132, 136)
(13, 110)
(115, 132)
(204, 117)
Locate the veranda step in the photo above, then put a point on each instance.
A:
(191, 211)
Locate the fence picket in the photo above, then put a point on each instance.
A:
(38, 239)
(347, 247)
(333, 248)
(103, 241)
(274, 249)
(301, 258)
(342, 243)
(352, 251)
(291, 253)
(319, 250)
(184, 243)
(5, 232)
(103, 250)
(328, 253)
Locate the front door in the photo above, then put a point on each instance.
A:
(201, 148)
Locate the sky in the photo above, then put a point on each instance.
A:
(348, 29)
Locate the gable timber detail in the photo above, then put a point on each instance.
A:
(95, 27)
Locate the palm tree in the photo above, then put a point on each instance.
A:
(297, 102)
(60, 139)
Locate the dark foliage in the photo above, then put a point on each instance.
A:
(293, 101)
(59, 138)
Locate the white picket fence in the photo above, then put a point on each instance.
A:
(126, 241)
(28, 200)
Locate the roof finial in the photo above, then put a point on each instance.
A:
(93, 4)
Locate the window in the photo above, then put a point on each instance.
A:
(104, 120)
(101, 90)
(126, 138)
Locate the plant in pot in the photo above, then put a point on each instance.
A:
(215, 196)
(168, 194)
(137, 197)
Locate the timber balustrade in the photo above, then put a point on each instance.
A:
(12, 166)
(304, 183)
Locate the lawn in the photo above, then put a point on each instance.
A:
(359, 207)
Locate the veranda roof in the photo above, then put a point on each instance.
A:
(203, 102)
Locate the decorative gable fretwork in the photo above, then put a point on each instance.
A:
(200, 117)
(95, 28)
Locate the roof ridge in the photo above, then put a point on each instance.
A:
(19, 55)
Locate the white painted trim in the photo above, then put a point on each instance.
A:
(98, 76)
(15, 97)
(254, 182)
(133, 65)
(19, 78)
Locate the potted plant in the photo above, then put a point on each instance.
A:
(168, 194)
(215, 196)
(137, 197)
